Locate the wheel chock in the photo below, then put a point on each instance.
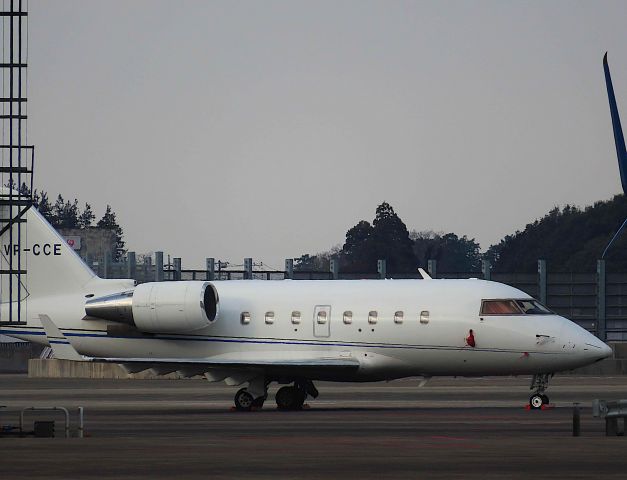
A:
(549, 406)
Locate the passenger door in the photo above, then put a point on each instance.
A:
(322, 320)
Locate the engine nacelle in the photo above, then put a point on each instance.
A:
(174, 307)
(160, 307)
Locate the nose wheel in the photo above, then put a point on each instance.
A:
(537, 400)
(539, 383)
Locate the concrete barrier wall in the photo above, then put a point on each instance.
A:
(14, 356)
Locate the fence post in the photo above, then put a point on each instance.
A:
(486, 269)
(334, 267)
(177, 268)
(158, 266)
(131, 262)
(147, 268)
(432, 268)
(601, 323)
(289, 268)
(211, 269)
(542, 280)
(381, 268)
(248, 268)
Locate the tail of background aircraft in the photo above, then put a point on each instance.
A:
(619, 140)
(52, 266)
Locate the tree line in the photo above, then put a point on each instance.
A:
(570, 239)
(65, 213)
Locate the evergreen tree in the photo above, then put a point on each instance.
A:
(356, 255)
(67, 214)
(390, 241)
(44, 206)
(109, 222)
(569, 239)
(453, 253)
(86, 218)
(57, 211)
(387, 238)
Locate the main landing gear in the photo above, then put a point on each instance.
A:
(290, 398)
(539, 383)
(252, 396)
(287, 398)
(245, 402)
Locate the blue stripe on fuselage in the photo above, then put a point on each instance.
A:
(279, 342)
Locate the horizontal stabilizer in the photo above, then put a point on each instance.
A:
(61, 346)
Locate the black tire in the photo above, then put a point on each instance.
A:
(545, 399)
(290, 398)
(243, 400)
(259, 401)
(285, 398)
(536, 401)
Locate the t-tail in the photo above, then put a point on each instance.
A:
(54, 272)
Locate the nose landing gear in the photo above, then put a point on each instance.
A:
(539, 383)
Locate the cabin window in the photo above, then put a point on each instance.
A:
(398, 316)
(322, 317)
(348, 317)
(424, 316)
(295, 317)
(500, 307)
(245, 318)
(269, 317)
(372, 317)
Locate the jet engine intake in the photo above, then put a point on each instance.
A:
(160, 307)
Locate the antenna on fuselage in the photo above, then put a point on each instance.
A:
(619, 140)
(425, 275)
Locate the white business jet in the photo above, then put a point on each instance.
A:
(292, 332)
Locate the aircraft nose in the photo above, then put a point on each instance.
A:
(607, 351)
(596, 348)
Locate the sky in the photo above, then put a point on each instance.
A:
(268, 128)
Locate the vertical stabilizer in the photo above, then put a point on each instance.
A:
(53, 267)
(619, 139)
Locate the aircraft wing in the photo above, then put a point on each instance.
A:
(267, 362)
(336, 362)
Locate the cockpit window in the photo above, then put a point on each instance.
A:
(513, 307)
(500, 307)
(531, 307)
